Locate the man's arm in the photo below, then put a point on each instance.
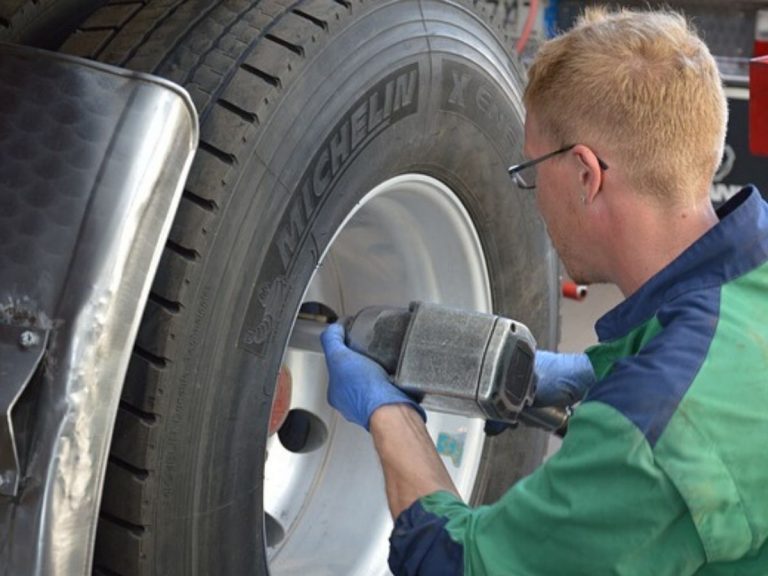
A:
(598, 506)
(361, 390)
(601, 504)
(412, 467)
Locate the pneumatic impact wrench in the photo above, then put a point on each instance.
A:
(455, 361)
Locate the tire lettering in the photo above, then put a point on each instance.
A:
(405, 88)
(399, 93)
(388, 94)
(375, 114)
(359, 124)
(474, 96)
(484, 101)
(460, 82)
(393, 98)
(340, 148)
(321, 175)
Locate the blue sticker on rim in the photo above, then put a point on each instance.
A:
(451, 446)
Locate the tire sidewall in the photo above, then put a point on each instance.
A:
(459, 120)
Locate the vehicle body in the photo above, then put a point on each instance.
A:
(76, 270)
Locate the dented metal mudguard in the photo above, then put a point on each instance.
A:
(92, 164)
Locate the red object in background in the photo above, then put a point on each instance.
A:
(761, 34)
(758, 106)
(281, 403)
(530, 20)
(574, 291)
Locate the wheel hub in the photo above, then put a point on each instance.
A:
(325, 509)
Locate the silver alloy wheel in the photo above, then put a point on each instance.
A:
(325, 510)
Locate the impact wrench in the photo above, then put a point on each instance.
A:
(456, 361)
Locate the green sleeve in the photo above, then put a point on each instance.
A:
(599, 506)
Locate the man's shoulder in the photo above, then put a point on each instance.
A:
(706, 348)
(647, 380)
(697, 392)
(709, 446)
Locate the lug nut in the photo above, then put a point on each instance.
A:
(28, 339)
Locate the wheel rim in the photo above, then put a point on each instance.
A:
(408, 239)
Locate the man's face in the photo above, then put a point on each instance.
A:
(557, 197)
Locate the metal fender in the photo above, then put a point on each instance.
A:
(92, 164)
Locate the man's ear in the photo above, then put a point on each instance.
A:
(590, 173)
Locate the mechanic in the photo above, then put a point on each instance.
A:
(663, 470)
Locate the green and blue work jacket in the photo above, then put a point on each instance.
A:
(664, 470)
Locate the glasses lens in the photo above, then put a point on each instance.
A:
(526, 178)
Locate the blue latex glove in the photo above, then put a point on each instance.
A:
(357, 385)
(562, 379)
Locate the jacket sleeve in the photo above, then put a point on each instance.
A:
(600, 505)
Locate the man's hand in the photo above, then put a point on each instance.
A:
(357, 385)
(562, 379)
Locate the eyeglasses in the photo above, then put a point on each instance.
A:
(524, 174)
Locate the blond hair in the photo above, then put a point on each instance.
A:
(641, 84)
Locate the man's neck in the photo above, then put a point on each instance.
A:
(649, 239)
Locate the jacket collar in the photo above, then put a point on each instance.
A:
(737, 244)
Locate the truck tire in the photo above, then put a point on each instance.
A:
(42, 23)
(352, 153)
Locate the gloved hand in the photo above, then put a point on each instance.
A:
(357, 385)
(495, 427)
(562, 379)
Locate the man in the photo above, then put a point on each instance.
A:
(663, 470)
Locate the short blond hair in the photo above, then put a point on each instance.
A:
(642, 84)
